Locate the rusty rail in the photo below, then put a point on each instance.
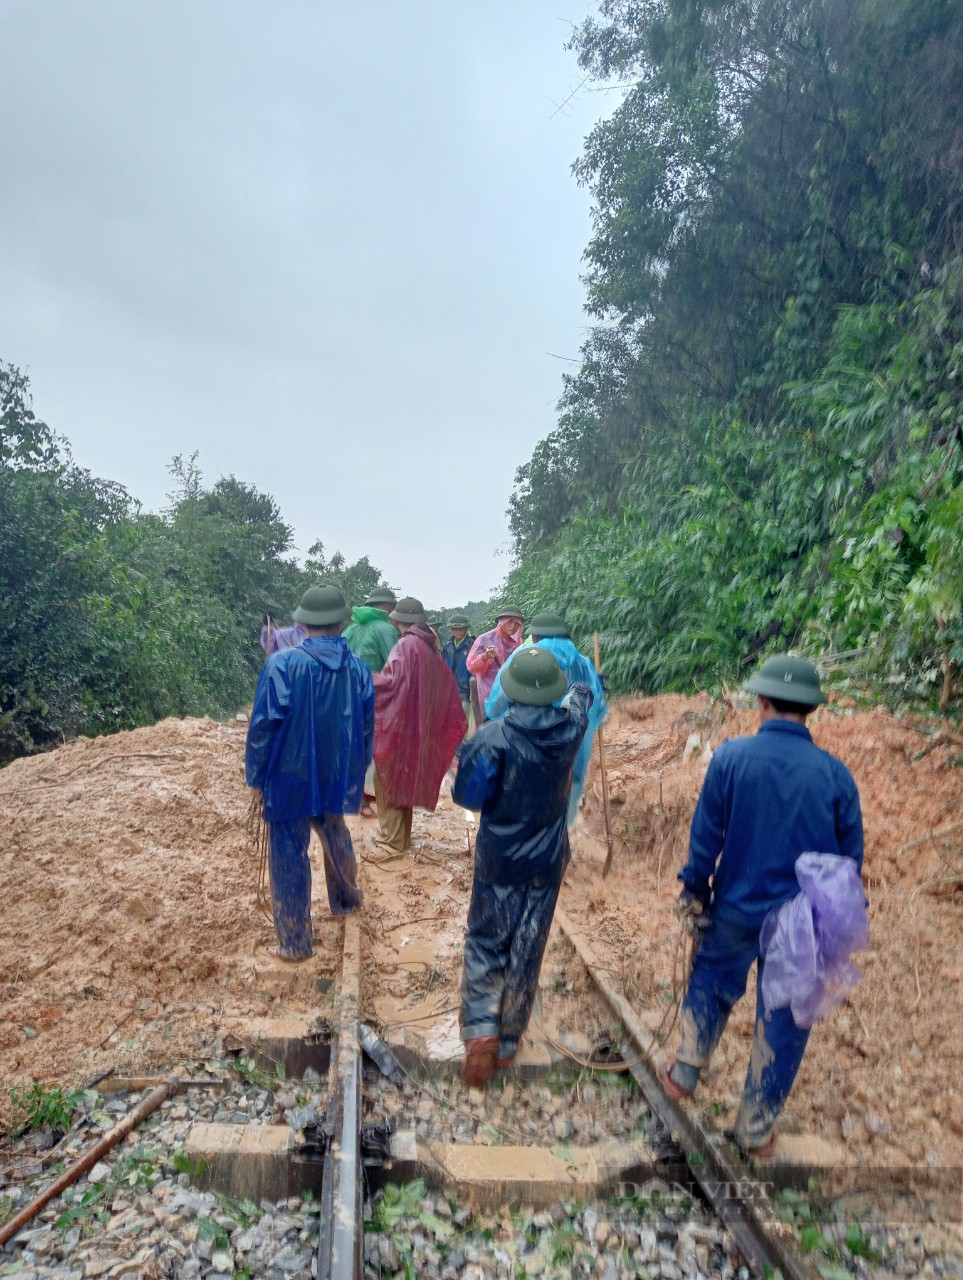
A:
(740, 1199)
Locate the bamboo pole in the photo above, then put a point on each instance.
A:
(605, 782)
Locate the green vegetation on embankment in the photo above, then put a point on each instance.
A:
(111, 617)
(762, 443)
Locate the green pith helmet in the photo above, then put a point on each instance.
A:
(533, 677)
(434, 623)
(408, 610)
(509, 612)
(789, 679)
(549, 624)
(322, 606)
(382, 595)
(458, 620)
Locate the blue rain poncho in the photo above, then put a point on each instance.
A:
(577, 669)
(312, 730)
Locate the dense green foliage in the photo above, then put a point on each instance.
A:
(112, 618)
(762, 443)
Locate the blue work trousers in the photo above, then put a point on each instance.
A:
(508, 927)
(291, 877)
(718, 980)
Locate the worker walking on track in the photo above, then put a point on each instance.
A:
(766, 800)
(517, 772)
(550, 631)
(418, 724)
(308, 744)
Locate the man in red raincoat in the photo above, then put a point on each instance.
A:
(419, 722)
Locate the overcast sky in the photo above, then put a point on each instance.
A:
(329, 247)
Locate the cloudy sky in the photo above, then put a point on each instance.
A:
(333, 248)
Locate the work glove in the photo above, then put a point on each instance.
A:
(692, 914)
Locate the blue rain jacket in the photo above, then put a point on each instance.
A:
(456, 659)
(517, 771)
(765, 800)
(312, 730)
(577, 668)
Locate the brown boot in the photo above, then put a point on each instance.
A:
(476, 1070)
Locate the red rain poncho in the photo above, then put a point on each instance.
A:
(418, 721)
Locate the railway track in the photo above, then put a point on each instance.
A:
(726, 1183)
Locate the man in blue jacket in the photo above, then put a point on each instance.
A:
(308, 745)
(517, 771)
(766, 799)
(455, 652)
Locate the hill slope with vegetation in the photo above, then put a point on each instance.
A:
(762, 442)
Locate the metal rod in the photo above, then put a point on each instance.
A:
(89, 1158)
(605, 781)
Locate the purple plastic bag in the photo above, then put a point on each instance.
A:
(282, 638)
(806, 942)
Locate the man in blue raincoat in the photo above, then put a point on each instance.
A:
(549, 631)
(766, 799)
(308, 745)
(517, 771)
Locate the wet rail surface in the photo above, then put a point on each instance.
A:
(727, 1184)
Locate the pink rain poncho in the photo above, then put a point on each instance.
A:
(419, 721)
(485, 669)
(806, 942)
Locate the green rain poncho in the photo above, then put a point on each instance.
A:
(371, 637)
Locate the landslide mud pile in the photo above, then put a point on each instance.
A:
(133, 937)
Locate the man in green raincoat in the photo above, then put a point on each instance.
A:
(371, 637)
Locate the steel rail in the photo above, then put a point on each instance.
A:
(736, 1195)
(341, 1234)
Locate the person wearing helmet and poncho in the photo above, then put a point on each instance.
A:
(371, 637)
(418, 724)
(767, 799)
(491, 650)
(550, 631)
(308, 743)
(517, 772)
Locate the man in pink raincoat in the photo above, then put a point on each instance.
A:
(491, 650)
(419, 722)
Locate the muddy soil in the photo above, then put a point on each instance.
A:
(133, 936)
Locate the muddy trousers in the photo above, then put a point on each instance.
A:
(395, 823)
(718, 980)
(290, 869)
(508, 928)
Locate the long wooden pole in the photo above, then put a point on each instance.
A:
(605, 782)
(89, 1158)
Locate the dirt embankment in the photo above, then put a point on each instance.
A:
(133, 936)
